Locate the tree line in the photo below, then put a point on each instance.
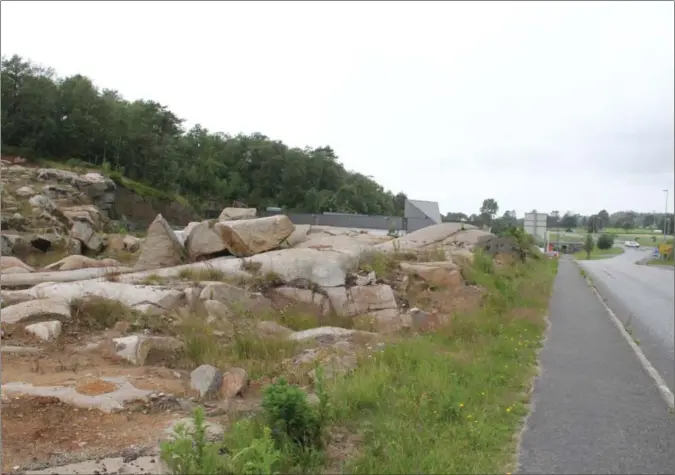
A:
(569, 221)
(50, 117)
(597, 222)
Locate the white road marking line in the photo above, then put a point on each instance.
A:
(661, 385)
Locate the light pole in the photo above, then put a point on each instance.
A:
(665, 218)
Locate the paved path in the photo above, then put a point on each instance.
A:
(595, 410)
(643, 298)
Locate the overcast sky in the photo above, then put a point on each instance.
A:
(546, 105)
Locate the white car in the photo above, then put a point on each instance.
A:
(632, 244)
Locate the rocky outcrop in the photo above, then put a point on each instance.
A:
(161, 247)
(248, 237)
(100, 189)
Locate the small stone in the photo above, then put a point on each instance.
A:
(46, 331)
(233, 382)
(206, 380)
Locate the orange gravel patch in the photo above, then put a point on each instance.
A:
(96, 387)
(43, 429)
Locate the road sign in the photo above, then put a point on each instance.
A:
(535, 225)
(665, 249)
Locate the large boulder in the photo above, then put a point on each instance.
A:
(322, 268)
(9, 262)
(442, 274)
(252, 236)
(203, 241)
(127, 242)
(236, 298)
(233, 214)
(84, 231)
(315, 301)
(81, 262)
(35, 278)
(426, 237)
(137, 349)
(88, 213)
(128, 294)
(36, 310)
(13, 244)
(359, 300)
(371, 305)
(161, 247)
(41, 202)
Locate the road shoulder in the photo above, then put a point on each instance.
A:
(595, 410)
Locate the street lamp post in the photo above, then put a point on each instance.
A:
(665, 218)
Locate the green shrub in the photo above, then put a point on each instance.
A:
(190, 452)
(292, 419)
(605, 241)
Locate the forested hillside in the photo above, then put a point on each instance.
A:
(49, 117)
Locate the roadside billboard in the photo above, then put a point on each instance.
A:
(535, 225)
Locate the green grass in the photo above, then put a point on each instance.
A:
(644, 236)
(634, 232)
(599, 253)
(661, 262)
(451, 402)
(562, 237)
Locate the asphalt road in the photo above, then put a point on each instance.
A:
(643, 297)
(594, 408)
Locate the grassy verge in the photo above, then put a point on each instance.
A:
(450, 401)
(599, 254)
(661, 262)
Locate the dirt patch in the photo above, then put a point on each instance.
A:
(82, 370)
(96, 387)
(445, 301)
(44, 430)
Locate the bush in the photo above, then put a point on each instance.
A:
(190, 452)
(291, 417)
(606, 241)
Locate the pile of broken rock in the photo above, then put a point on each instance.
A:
(225, 268)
